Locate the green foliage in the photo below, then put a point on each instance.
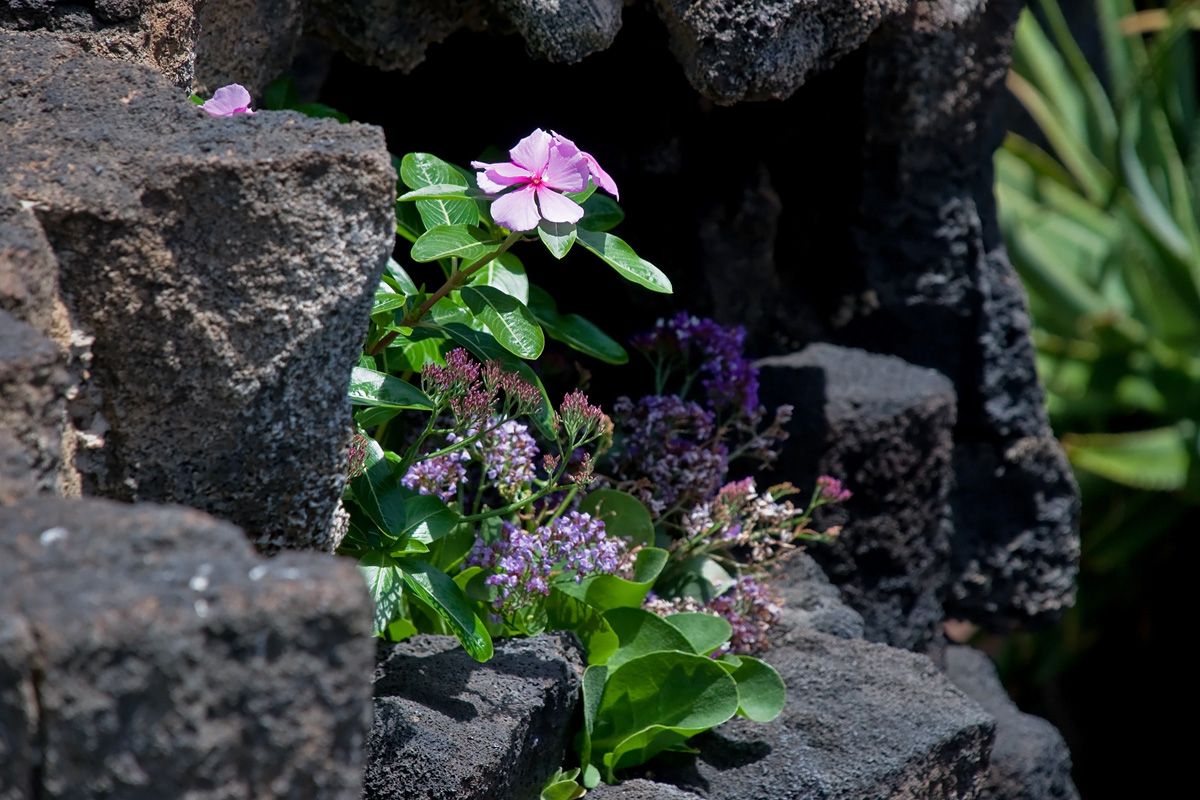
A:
(1102, 228)
(660, 688)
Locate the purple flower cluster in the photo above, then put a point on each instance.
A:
(668, 447)
(579, 417)
(730, 379)
(471, 392)
(523, 563)
(509, 454)
(752, 610)
(440, 475)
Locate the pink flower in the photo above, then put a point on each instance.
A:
(542, 166)
(229, 100)
(602, 178)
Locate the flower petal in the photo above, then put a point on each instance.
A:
(566, 174)
(564, 144)
(498, 177)
(229, 100)
(516, 210)
(533, 151)
(557, 208)
(602, 178)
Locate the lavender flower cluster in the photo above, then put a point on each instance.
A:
(509, 456)
(523, 563)
(439, 475)
(731, 381)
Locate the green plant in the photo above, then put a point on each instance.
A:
(1102, 228)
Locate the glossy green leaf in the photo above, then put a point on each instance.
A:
(419, 170)
(601, 213)
(506, 273)
(377, 492)
(761, 690)
(621, 257)
(604, 592)
(428, 518)
(557, 236)
(369, 387)
(386, 586)
(573, 330)
(454, 241)
(440, 191)
(440, 593)
(401, 277)
(705, 632)
(408, 221)
(623, 515)
(509, 321)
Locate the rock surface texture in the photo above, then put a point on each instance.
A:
(946, 297)
(732, 50)
(449, 728)
(155, 33)
(1030, 760)
(224, 273)
(861, 720)
(148, 652)
(884, 428)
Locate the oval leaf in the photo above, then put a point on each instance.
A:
(706, 632)
(453, 241)
(506, 273)
(557, 236)
(761, 691)
(507, 318)
(419, 170)
(622, 514)
(621, 257)
(600, 213)
(640, 633)
(442, 594)
(369, 387)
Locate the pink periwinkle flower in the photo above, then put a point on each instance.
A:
(543, 166)
(229, 100)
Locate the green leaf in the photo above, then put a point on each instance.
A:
(369, 387)
(507, 318)
(408, 221)
(641, 632)
(454, 241)
(401, 277)
(658, 701)
(428, 518)
(557, 236)
(566, 613)
(377, 492)
(440, 191)
(623, 515)
(506, 273)
(705, 632)
(386, 588)
(419, 170)
(604, 592)
(601, 213)
(761, 691)
(621, 257)
(573, 330)
(440, 593)
(1156, 459)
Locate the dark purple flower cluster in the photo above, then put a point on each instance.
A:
(667, 447)
(752, 610)
(580, 419)
(731, 381)
(523, 563)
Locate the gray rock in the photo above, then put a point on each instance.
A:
(159, 34)
(946, 297)
(33, 387)
(564, 30)
(226, 273)
(639, 789)
(882, 427)
(392, 34)
(812, 602)
(735, 50)
(449, 728)
(148, 652)
(250, 42)
(1030, 760)
(862, 720)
